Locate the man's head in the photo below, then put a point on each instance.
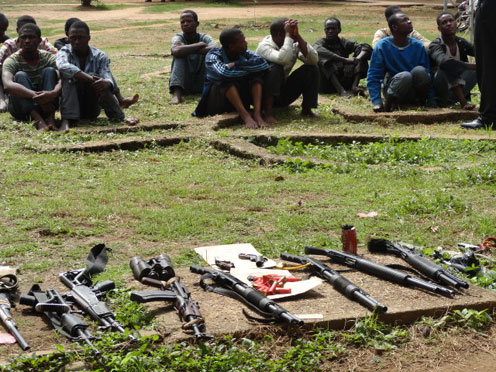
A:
(4, 24)
(68, 24)
(332, 27)
(189, 21)
(446, 24)
(400, 24)
(233, 41)
(79, 37)
(29, 37)
(277, 31)
(392, 9)
(23, 20)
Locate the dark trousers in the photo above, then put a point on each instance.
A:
(79, 101)
(485, 56)
(20, 108)
(442, 82)
(304, 81)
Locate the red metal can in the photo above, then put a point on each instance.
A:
(349, 239)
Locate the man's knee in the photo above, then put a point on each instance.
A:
(400, 83)
(48, 71)
(22, 78)
(420, 76)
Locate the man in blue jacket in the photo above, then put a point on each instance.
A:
(402, 64)
(234, 80)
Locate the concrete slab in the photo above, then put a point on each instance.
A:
(223, 315)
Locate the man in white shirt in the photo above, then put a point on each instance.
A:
(281, 49)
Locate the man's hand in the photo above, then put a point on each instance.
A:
(350, 61)
(43, 97)
(101, 85)
(378, 108)
(292, 28)
(230, 64)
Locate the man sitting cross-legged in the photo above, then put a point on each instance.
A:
(234, 79)
(11, 46)
(402, 63)
(454, 76)
(60, 43)
(188, 58)
(385, 32)
(87, 84)
(32, 81)
(338, 71)
(281, 49)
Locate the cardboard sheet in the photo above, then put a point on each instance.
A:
(244, 268)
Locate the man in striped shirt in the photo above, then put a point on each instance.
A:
(31, 79)
(234, 79)
(11, 46)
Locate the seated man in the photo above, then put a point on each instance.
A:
(338, 71)
(31, 80)
(234, 79)
(454, 77)
(59, 43)
(188, 58)
(282, 48)
(86, 80)
(11, 46)
(401, 62)
(4, 25)
(385, 32)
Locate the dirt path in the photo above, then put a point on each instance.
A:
(49, 11)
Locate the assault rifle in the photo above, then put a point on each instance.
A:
(158, 272)
(233, 287)
(8, 287)
(418, 262)
(58, 311)
(86, 296)
(378, 270)
(339, 282)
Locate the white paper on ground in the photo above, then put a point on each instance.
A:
(244, 268)
(230, 252)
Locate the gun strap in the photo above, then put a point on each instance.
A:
(229, 293)
(96, 260)
(8, 282)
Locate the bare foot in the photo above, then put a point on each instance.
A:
(468, 106)
(260, 121)
(41, 125)
(3, 105)
(126, 102)
(131, 121)
(64, 126)
(344, 93)
(270, 119)
(309, 113)
(51, 123)
(177, 97)
(249, 121)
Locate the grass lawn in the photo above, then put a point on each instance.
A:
(55, 205)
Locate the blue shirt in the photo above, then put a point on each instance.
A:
(97, 62)
(217, 70)
(387, 57)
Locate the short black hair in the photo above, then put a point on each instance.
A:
(393, 20)
(392, 9)
(25, 19)
(69, 23)
(277, 27)
(80, 24)
(192, 12)
(438, 18)
(228, 36)
(30, 27)
(4, 19)
(335, 20)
